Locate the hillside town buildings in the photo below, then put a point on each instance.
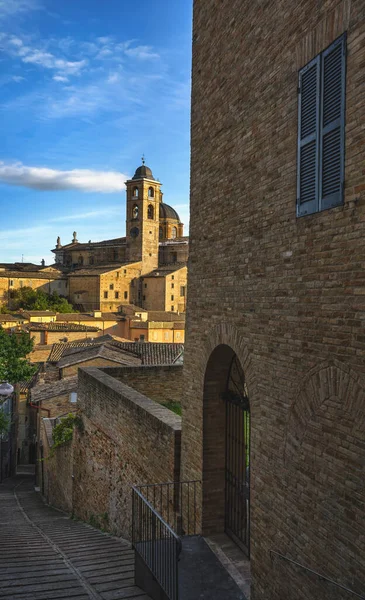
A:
(147, 267)
(269, 455)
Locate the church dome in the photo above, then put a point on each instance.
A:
(143, 171)
(167, 212)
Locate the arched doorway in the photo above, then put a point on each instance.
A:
(226, 450)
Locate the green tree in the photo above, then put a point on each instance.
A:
(29, 299)
(14, 367)
(4, 422)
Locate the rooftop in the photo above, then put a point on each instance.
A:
(106, 351)
(65, 317)
(153, 353)
(52, 390)
(165, 270)
(39, 313)
(61, 348)
(84, 246)
(59, 327)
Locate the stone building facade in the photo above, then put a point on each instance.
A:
(107, 274)
(279, 312)
(104, 275)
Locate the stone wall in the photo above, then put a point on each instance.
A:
(286, 295)
(72, 370)
(160, 383)
(128, 439)
(57, 470)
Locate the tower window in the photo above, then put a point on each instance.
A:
(111, 286)
(150, 212)
(172, 285)
(125, 295)
(182, 290)
(173, 233)
(172, 297)
(105, 294)
(135, 211)
(160, 233)
(116, 294)
(135, 192)
(151, 192)
(172, 308)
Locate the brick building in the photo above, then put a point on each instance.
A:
(273, 419)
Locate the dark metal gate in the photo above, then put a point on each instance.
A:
(237, 488)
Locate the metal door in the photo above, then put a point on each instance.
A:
(237, 471)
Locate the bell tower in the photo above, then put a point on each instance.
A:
(142, 218)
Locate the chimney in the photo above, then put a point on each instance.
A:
(43, 262)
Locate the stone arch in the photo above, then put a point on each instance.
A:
(328, 380)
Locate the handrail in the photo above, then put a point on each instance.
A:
(323, 577)
(148, 485)
(158, 516)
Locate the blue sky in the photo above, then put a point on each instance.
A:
(86, 88)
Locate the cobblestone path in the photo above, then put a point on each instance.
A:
(45, 555)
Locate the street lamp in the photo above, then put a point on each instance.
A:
(6, 389)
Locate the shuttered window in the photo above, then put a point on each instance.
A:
(321, 126)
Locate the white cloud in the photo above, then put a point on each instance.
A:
(49, 61)
(104, 40)
(9, 8)
(61, 78)
(15, 47)
(41, 178)
(141, 52)
(113, 78)
(18, 78)
(15, 42)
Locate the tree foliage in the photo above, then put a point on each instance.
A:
(14, 367)
(63, 432)
(30, 299)
(4, 422)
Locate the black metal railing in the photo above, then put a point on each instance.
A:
(316, 574)
(161, 514)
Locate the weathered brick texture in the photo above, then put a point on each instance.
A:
(285, 294)
(128, 439)
(158, 383)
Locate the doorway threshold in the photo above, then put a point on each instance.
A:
(233, 559)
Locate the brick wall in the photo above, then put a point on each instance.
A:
(285, 294)
(160, 383)
(128, 439)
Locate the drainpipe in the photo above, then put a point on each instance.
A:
(39, 407)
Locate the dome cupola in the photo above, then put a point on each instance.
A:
(143, 172)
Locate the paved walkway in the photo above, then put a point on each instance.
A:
(45, 555)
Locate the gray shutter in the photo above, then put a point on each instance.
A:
(332, 140)
(308, 138)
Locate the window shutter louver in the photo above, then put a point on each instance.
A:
(331, 176)
(308, 138)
